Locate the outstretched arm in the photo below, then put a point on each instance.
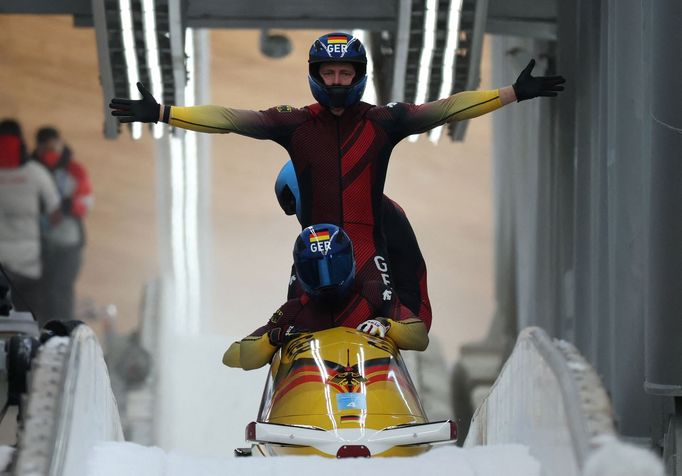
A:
(268, 124)
(218, 119)
(469, 104)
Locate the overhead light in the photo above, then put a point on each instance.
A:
(452, 35)
(153, 60)
(370, 95)
(185, 212)
(130, 57)
(177, 238)
(191, 210)
(430, 17)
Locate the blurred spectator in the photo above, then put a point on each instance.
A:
(26, 190)
(63, 242)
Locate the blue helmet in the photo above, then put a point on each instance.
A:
(324, 261)
(340, 48)
(286, 190)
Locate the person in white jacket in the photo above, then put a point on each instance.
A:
(26, 190)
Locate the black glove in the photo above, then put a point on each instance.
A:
(280, 335)
(276, 337)
(131, 110)
(529, 87)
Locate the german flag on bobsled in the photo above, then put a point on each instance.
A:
(342, 393)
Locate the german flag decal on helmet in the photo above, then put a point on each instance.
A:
(337, 40)
(319, 235)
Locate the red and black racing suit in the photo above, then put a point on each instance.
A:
(368, 300)
(341, 161)
(408, 269)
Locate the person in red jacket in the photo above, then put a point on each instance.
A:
(332, 297)
(63, 243)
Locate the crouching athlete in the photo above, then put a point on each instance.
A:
(403, 254)
(332, 297)
(340, 146)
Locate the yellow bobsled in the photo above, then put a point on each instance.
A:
(342, 393)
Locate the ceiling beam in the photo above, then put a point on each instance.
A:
(62, 7)
(402, 44)
(351, 14)
(543, 30)
(469, 62)
(104, 62)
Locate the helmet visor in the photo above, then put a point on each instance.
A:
(330, 270)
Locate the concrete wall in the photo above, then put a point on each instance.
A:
(70, 408)
(587, 194)
(89, 414)
(548, 398)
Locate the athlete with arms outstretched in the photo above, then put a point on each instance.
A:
(340, 146)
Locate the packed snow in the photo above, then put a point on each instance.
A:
(615, 458)
(6, 454)
(115, 459)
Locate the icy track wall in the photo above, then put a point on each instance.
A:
(70, 408)
(548, 398)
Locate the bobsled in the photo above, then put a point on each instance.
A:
(342, 393)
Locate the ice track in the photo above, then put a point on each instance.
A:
(115, 459)
(547, 414)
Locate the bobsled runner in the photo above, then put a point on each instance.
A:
(342, 393)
